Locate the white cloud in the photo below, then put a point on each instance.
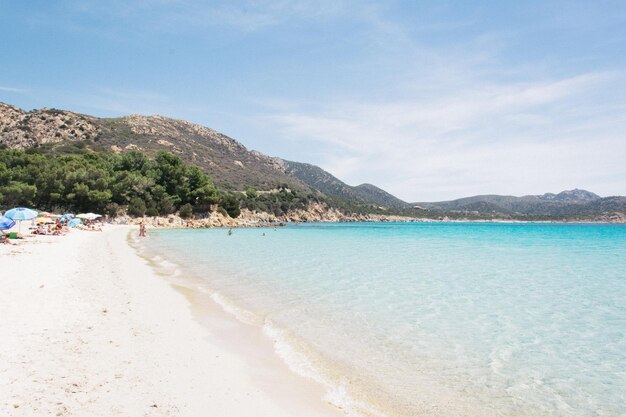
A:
(482, 138)
(11, 89)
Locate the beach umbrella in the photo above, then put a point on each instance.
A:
(44, 220)
(74, 222)
(21, 213)
(6, 223)
(89, 216)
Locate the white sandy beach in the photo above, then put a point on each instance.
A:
(89, 329)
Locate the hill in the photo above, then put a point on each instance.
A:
(328, 184)
(228, 162)
(566, 204)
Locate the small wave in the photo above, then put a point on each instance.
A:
(300, 363)
(298, 357)
(240, 314)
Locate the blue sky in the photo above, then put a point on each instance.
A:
(429, 100)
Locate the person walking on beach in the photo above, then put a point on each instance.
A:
(142, 230)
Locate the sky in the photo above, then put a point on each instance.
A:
(428, 100)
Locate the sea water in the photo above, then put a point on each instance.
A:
(445, 319)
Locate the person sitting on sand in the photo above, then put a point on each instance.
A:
(4, 240)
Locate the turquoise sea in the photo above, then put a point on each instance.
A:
(412, 319)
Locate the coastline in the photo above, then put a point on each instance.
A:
(89, 328)
(245, 257)
(251, 220)
(320, 213)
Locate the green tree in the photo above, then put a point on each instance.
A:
(18, 194)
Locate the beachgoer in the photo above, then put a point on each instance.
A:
(230, 232)
(142, 230)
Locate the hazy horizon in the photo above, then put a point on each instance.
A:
(430, 103)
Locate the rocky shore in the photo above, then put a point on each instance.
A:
(314, 213)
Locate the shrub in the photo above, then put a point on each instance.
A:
(251, 193)
(230, 203)
(185, 211)
(167, 206)
(112, 209)
(137, 207)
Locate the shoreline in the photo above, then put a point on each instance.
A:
(175, 222)
(91, 329)
(436, 401)
(292, 357)
(354, 397)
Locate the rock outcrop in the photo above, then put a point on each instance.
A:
(315, 213)
(23, 130)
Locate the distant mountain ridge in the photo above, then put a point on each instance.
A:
(568, 195)
(565, 203)
(509, 202)
(330, 185)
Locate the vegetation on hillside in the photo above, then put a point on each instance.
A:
(73, 178)
(279, 202)
(105, 182)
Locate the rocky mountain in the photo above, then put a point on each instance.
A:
(323, 181)
(229, 163)
(374, 195)
(574, 195)
(22, 130)
(564, 204)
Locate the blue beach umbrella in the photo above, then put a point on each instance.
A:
(21, 213)
(6, 223)
(74, 222)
